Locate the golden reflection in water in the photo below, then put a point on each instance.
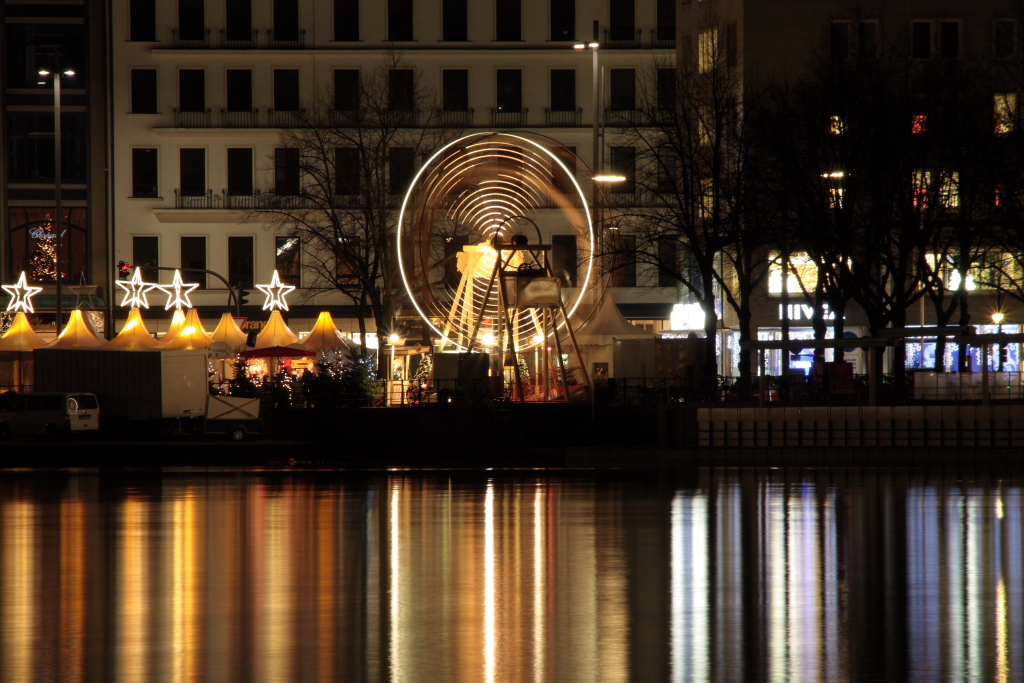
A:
(186, 597)
(395, 596)
(489, 637)
(72, 588)
(276, 644)
(539, 594)
(329, 572)
(134, 638)
(19, 607)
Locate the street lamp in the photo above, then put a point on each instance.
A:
(57, 74)
(997, 318)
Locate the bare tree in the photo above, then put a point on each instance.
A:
(345, 163)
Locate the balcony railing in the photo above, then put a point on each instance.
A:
(192, 119)
(453, 119)
(287, 119)
(236, 44)
(240, 119)
(564, 119)
(622, 39)
(190, 43)
(558, 200)
(397, 118)
(621, 117)
(346, 119)
(197, 201)
(661, 40)
(509, 119)
(268, 200)
(279, 43)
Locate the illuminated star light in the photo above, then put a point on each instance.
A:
(275, 292)
(135, 290)
(21, 295)
(177, 292)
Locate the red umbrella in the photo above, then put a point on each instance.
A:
(275, 352)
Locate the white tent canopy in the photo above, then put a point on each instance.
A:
(607, 324)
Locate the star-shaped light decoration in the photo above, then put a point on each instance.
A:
(177, 292)
(135, 290)
(21, 295)
(275, 292)
(83, 293)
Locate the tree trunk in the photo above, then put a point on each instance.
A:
(838, 327)
(965, 319)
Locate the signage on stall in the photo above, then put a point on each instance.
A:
(806, 312)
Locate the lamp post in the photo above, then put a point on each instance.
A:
(997, 318)
(56, 75)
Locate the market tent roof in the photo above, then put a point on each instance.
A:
(177, 323)
(134, 334)
(607, 324)
(76, 334)
(191, 336)
(276, 333)
(228, 332)
(21, 337)
(325, 336)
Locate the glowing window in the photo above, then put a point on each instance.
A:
(707, 50)
(919, 124)
(1005, 112)
(837, 126)
(802, 275)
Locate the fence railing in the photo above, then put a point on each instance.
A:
(287, 119)
(284, 42)
(192, 119)
(564, 119)
(240, 119)
(346, 119)
(209, 200)
(190, 42)
(509, 119)
(663, 40)
(442, 392)
(622, 39)
(454, 119)
(249, 43)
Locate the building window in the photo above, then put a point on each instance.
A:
(144, 91)
(623, 163)
(399, 20)
(921, 185)
(668, 170)
(239, 91)
(346, 90)
(563, 19)
(454, 20)
(839, 41)
(348, 259)
(1005, 112)
(192, 172)
(286, 21)
(286, 90)
(240, 172)
(238, 20)
(622, 89)
(287, 180)
(949, 40)
(707, 50)
(731, 51)
(508, 20)
(240, 261)
(949, 189)
(918, 124)
(144, 173)
(666, 20)
(564, 257)
(288, 260)
(867, 40)
(401, 89)
(668, 262)
(455, 86)
(193, 255)
(346, 169)
(622, 20)
(510, 90)
(921, 40)
(401, 165)
(192, 90)
(622, 260)
(563, 90)
(1004, 38)
(346, 20)
(191, 20)
(146, 255)
(563, 174)
(802, 273)
(142, 18)
(836, 125)
(666, 89)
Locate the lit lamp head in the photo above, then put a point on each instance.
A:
(393, 339)
(997, 318)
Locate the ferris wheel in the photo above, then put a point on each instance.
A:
(477, 215)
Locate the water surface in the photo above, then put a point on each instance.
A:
(717, 575)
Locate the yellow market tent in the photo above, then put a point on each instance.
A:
(177, 323)
(76, 334)
(275, 333)
(325, 336)
(21, 337)
(228, 332)
(191, 336)
(134, 334)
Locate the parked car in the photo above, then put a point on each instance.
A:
(52, 415)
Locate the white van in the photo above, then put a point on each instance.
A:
(50, 415)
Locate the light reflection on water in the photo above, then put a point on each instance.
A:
(721, 575)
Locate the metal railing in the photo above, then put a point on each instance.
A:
(557, 200)
(509, 119)
(246, 44)
(565, 119)
(621, 117)
(658, 43)
(622, 39)
(190, 43)
(442, 392)
(287, 119)
(287, 44)
(346, 119)
(453, 119)
(399, 118)
(209, 200)
(192, 119)
(260, 200)
(240, 119)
